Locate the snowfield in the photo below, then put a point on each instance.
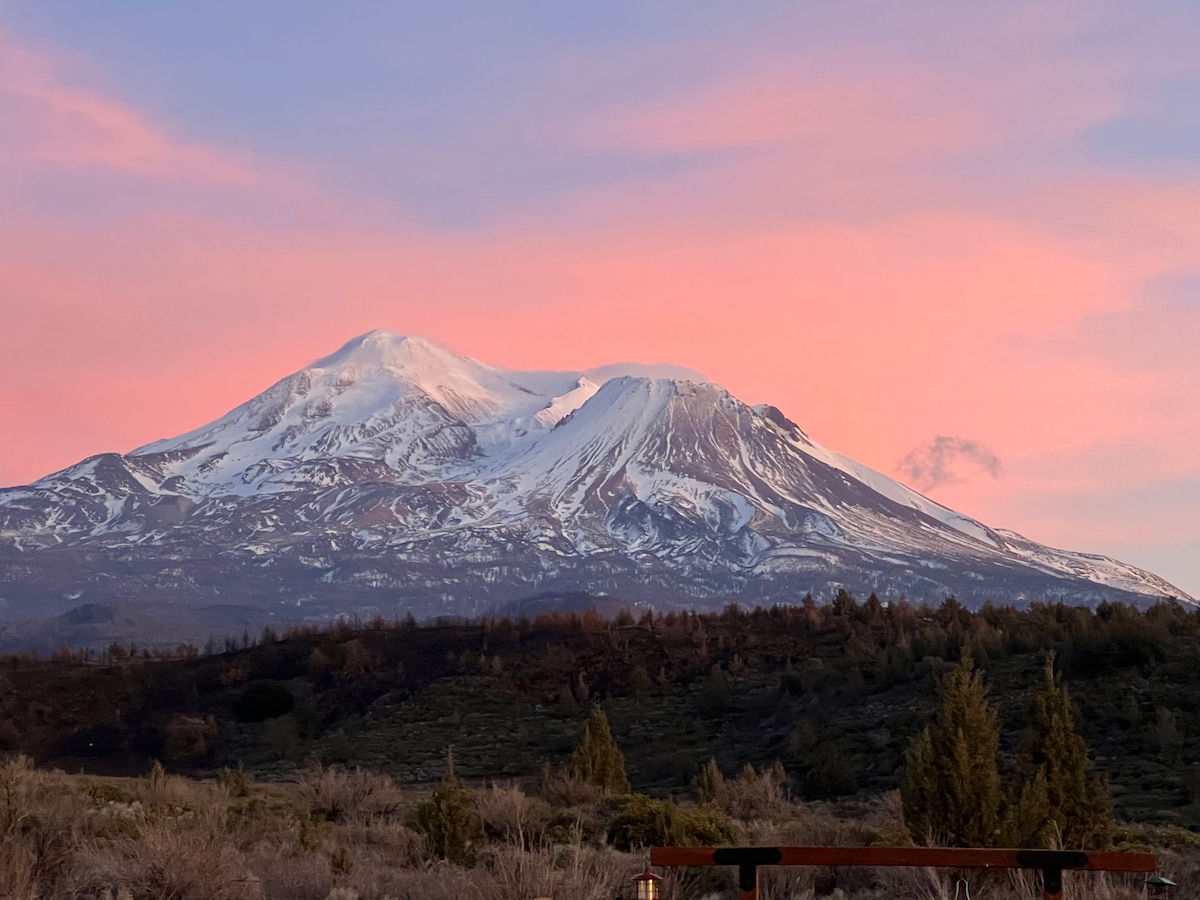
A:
(395, 473)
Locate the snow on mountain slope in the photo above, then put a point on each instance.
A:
(877, 481)
(397, 468)
(401, 401)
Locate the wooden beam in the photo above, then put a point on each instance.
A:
(879, 857)
(1050, 863)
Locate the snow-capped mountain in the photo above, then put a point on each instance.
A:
(395, 475)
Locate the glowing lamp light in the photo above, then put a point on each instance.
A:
(646, 885)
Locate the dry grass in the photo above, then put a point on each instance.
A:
(182, 859)
(335, 834)
(512, 816)
(338, 794)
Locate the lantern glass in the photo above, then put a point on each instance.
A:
(647, 885)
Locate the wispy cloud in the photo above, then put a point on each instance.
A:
(50, 121)
(946, 460)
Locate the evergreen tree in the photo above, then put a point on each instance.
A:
(1028, 815)
(598, 760)
(715, 697)
(708, 785)
(1074, 805)
(449, 818)
(640, 684)
(951, 791)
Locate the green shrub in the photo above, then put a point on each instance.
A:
(450, 820)
(702, 828)
(646, 822)
(102, 792)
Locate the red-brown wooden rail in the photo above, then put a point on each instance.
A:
(1052, 863)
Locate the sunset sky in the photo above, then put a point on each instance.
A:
(959, 242)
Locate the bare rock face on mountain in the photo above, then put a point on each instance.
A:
(396, 476)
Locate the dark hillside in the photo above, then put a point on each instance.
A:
(836, 693)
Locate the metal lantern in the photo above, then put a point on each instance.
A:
(1159, 885)
(646, 885)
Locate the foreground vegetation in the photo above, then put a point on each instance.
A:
(338, 834)
(316, 765)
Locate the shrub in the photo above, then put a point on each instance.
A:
(508, 814)
(831, 775)
(188, 738)
(561, 788)
(235, 782)
(36, 831)
(450, 820)
(336, 794)
(282, 735)
(175, 860)
(754, 795)
(170, 794)
(644, 822)
(640, 684)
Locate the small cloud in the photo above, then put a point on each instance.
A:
(944, 460)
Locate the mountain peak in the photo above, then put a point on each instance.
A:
(397, 468)
(601, 374)
(380, 348)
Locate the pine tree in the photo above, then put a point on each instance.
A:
(1076, 810)
(715, 697)
(640, 684)
(951, 791)
(598, 760)
(1029, 813)
(449, 818)
(707, 786)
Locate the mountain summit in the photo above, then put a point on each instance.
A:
(395, 475)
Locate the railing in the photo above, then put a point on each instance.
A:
(1051, 863)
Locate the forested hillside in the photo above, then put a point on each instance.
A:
(835, 693)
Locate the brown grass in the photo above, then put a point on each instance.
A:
(335, 834)
(338, 794)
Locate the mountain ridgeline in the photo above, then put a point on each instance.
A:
(397, 477)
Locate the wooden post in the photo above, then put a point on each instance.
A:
(1051, 884)
(748, 882)
(747, 860)
(1052, 863)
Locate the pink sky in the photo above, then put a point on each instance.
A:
(885, 252)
